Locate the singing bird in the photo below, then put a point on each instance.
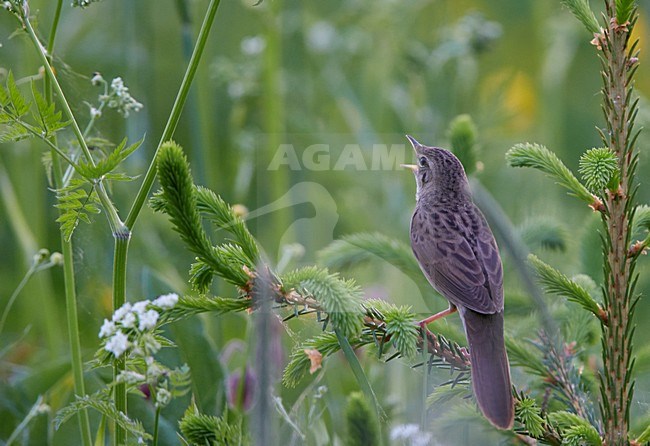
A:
(457, 253)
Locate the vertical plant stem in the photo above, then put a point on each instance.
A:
(175, 114)
(68, 262)
(155, 427)
(616, 384)
(119, 297)
(73, 334)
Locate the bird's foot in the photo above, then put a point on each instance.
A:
(424, 322)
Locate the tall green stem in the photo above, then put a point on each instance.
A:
(155, 427)
(73, 333)
(175, 114)
(68, 261)
(119, 297)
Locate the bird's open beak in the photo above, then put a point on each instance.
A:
(414, 143)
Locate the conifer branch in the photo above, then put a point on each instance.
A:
(539, 157)
(581, 10)
(557, 283)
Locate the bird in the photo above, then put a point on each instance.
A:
(458, 254)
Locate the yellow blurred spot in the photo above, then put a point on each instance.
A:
(516, 96)
(106, 300)
(521, 102)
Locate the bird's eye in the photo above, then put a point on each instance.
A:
(422, 161)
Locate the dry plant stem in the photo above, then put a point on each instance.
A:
(617, 386)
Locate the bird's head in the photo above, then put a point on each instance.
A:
(438, 173)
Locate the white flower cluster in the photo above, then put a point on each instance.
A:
(132, 324)
(119, 97)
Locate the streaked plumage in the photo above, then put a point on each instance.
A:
(459, 256)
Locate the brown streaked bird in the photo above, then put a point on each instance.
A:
(458, 255)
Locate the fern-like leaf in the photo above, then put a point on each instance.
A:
(45, 114)
(102, 403)
(75, 204)
(18, 104)
(14, 132)
(109, 163)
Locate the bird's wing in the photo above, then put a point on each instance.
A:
(459, 256)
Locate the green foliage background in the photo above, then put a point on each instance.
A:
(336, 72)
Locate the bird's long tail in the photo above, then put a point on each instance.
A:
(490, 369)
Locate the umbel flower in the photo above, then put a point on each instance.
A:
(132, 325)
(116, 96)
(131, 332)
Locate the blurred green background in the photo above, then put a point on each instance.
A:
(303, 73)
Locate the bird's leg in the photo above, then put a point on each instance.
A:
(451, 310)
